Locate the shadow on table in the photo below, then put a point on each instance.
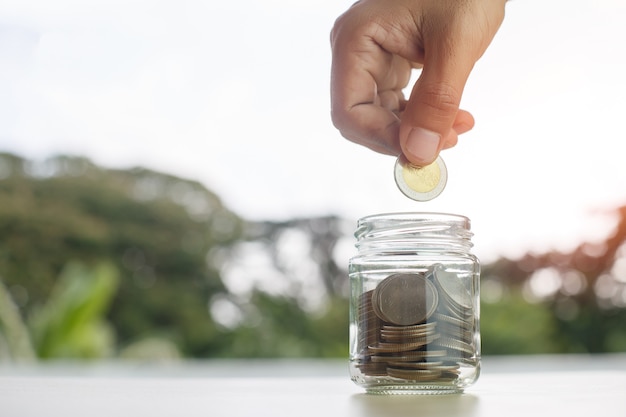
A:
(454, 405)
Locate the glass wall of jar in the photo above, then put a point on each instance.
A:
(414, 306)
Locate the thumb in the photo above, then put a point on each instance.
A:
(432, 111)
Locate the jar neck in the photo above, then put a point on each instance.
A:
(414, 232)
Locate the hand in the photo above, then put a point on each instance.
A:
(377, 43)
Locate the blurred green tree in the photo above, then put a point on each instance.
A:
(196, 280)
(71, 324)
(514, 326)
(584, 290)
(155, 229)
(15, 340)
(171, 241)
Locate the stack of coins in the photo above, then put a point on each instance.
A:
(369, 335)
(455, 315)
(417, 327)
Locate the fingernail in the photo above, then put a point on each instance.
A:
(423, 144)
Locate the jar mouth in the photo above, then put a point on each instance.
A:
(417, 216)
(410, 230)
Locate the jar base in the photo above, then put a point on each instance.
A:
(417, 389)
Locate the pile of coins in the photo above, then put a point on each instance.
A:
(416, 326)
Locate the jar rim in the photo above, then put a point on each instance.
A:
(395, 231)
(417, 215)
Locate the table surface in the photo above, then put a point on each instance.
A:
(509, 386)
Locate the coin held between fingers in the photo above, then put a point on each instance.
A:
(420, 183)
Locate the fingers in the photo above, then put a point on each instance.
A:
(375, 46)
(432, 116)
(366, 86)
(463, 123)
(361, 111)
(453, 41)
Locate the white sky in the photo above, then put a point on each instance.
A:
(235, 94)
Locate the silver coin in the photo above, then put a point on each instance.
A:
(417, 365)
(420, 183)
(426, 327)
(373, 369)
(411, 356)
(448, 368)
(405, 299)
(413, 374)
(405, 337)
(453, 287)
(383, 347)
(464, 324)
(399, 331)
(458, 333)
(395, 336)
(456, 345)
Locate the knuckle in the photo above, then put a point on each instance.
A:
(339, 119)
(441, 98)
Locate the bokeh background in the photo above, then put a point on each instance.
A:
(171, 185)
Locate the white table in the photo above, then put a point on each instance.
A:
(539, 386)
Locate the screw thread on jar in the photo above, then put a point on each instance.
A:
(414, 231)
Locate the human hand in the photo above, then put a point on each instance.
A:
(377, 43)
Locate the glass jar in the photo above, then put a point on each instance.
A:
(414, 304)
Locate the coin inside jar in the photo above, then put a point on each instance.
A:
(405, 299)
(453, 288)
(420, 183)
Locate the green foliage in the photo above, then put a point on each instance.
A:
(587, 300)
(104, 262)
(281, 328)
(592, 330)
(514, 326)
(155, 229)
(72, 324)
(15, 343)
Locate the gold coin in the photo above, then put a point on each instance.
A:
(420, 183)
